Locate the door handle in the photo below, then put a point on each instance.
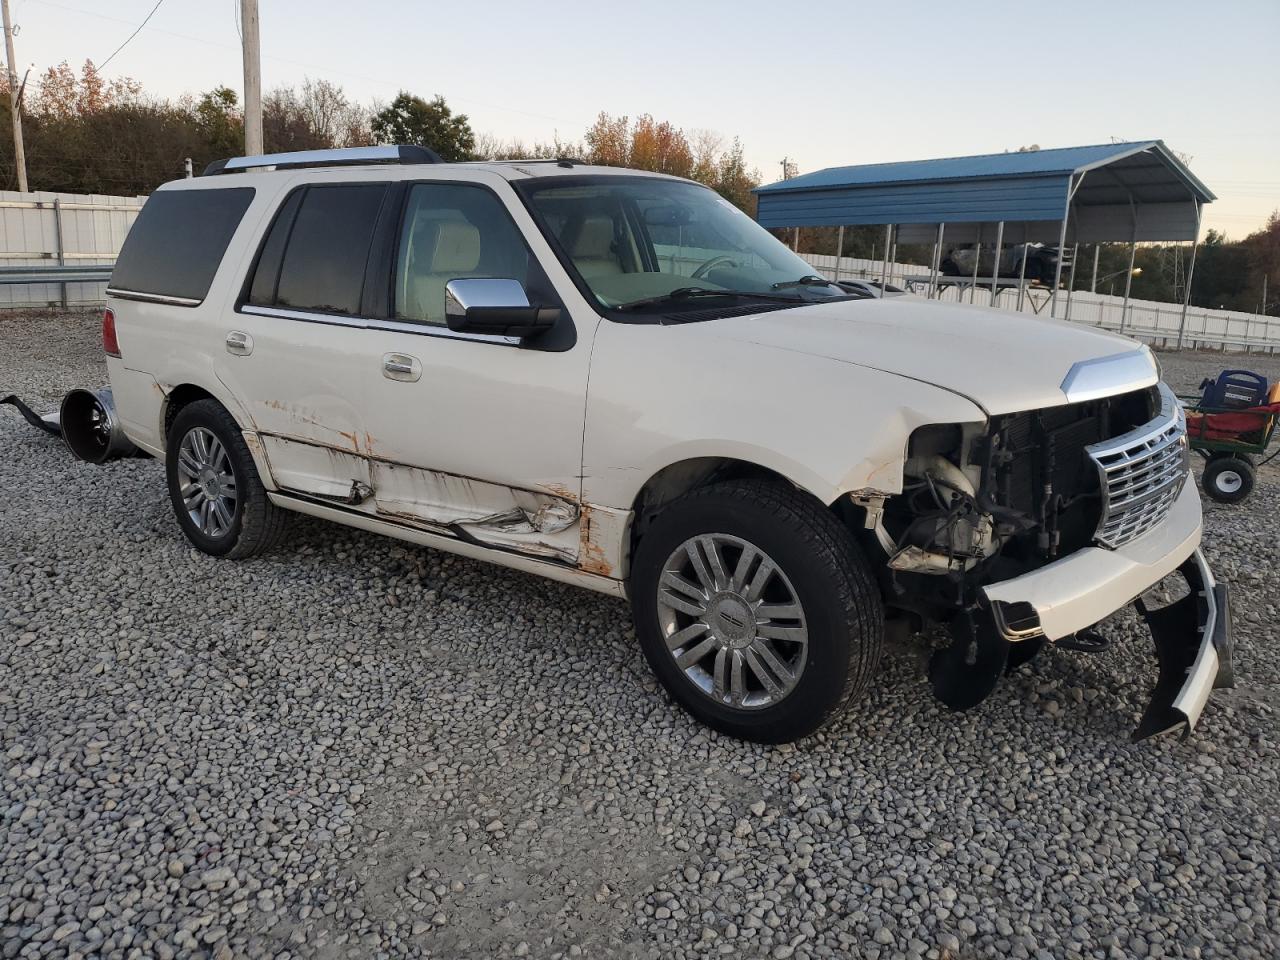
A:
(239, 343)
(401, 366)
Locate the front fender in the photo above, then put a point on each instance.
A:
(659, 396)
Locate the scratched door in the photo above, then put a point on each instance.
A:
(289, 348)
(473, 434)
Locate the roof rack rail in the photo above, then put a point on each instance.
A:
(340, 157)
(560, 161)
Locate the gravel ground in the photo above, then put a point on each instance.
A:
(354, 748)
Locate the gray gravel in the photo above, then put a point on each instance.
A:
(354, 748)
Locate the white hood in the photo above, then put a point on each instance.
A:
(1002, 361)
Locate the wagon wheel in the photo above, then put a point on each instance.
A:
(1228, 479)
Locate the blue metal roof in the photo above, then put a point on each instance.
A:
(1056, 161)
(1031, 187)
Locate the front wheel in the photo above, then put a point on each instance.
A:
(1228, 479)
(756, 610)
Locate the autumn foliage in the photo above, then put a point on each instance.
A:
(87, 134)
(646, 144)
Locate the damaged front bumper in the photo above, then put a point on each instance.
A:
(1192, 636)
(1194, 648)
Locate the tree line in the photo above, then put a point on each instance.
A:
(84, 133)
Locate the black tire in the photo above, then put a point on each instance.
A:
(832, 583)
(1023, 652)
(256, 523)
(1228, 479)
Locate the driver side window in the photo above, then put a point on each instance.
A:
(453, 232)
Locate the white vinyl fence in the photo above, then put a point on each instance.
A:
(45, 229)
(1148, 320)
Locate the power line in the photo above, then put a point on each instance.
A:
(104, 63)
(323, 69)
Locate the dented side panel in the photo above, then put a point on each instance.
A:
(505, 517)
(313, 469)
(604, 541)
(447, 499)
(136, 394)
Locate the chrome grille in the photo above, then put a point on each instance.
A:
(1141, 473)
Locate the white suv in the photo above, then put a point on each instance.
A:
(620, 381)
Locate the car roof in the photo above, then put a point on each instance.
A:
(390, 163)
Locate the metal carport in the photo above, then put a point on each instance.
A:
(1114, 192)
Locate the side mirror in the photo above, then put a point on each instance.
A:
(495, 307)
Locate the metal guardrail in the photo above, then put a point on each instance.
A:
(57, 273)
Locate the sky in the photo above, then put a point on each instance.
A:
(821, 83)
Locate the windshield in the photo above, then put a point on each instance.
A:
(667, 245)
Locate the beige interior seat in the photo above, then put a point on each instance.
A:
(440, 251)
(592, 249)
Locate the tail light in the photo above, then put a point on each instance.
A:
(109, 342)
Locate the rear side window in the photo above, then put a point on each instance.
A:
(315, 255)
(177, 242)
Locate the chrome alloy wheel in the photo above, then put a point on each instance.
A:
(207, 482)
(732, 621)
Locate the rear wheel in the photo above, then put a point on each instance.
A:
(214, 486)
(1228, 479)
(756, 610)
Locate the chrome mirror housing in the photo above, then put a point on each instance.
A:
(462, 295)
(493, 306)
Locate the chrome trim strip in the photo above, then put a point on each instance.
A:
(1006, 631)
(370, 323)
(152, 297)
(329, 318)
(1108, 376)
(444, 333)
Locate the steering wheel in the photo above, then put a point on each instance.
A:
(706, 268)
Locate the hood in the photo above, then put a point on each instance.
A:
(1002, 361)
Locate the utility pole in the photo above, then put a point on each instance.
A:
(19, 154)
(252, 78)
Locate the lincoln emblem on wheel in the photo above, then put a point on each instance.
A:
(732, 621)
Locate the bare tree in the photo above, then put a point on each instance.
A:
(316, 117)
(707, 146)
(332, 116)
(491, 147)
